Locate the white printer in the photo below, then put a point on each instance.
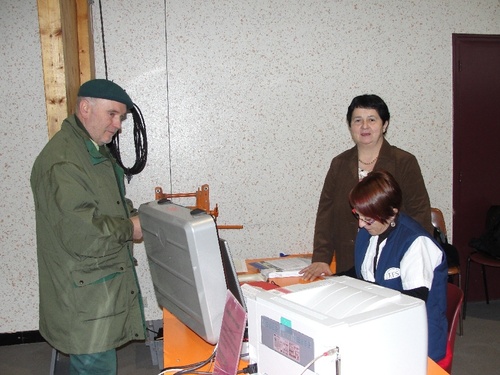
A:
(339, 325)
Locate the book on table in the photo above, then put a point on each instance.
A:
(281, 267)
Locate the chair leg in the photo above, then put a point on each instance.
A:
(485, 285)
(460, 324)
(466, 287)
(53, 361)
(460, 313)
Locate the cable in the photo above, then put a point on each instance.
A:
(325, 354)
(250, 369)
(167, 98)
(140, 142)
(140, 138)
(103, 44)
(191, 368)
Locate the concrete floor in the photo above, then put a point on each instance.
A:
(30, 359)
(478, 350)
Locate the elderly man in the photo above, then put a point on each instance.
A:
(90, 300)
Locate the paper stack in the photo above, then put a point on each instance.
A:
(282, 267)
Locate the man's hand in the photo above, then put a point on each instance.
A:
(137, 235)
(316, 270)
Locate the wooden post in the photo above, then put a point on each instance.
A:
(86, 57)
(67, 56)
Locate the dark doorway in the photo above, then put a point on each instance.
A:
(476, 146)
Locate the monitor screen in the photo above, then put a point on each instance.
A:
(187, 268)
(232, 282)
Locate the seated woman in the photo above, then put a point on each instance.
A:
(394, 251)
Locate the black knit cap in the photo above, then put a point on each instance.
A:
(104, 89)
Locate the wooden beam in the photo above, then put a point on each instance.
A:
(85, 40)
(70, 51)
(67, 57)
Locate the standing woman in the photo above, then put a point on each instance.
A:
(394, 251)
(368, 119)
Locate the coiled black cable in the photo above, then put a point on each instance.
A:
(140, 138)
(140, 142)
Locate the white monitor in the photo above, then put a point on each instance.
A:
(186, 266)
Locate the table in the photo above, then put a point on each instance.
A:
(282, 281)
(182, 346)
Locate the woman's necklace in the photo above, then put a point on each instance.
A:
(370, 163)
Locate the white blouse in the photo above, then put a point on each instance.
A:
(416, 268)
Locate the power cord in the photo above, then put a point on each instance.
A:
(250, 369)
(191, 368)
(140, 139)
(334, 351)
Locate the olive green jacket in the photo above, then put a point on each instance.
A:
(90, 299)
(336, 227)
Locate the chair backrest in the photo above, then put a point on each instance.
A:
(492, 217)
(437, 219)
(440, 235)
(454, 298)
(489, 241)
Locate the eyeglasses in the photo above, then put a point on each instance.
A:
(367, 221)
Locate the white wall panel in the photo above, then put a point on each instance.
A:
(247, 96)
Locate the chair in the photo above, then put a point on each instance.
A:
(438, 223)
(482, 258)
(454, 298)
